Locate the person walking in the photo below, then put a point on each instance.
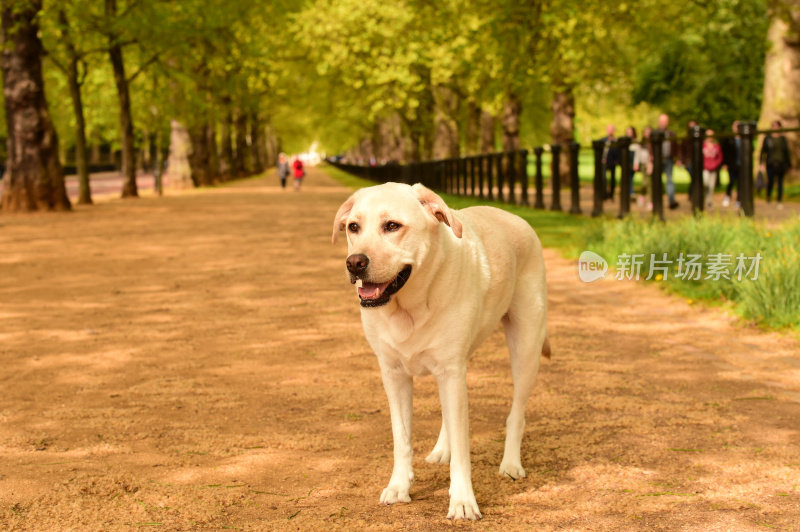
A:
(283, 169)
(633, 149)
(610, 160)
(732, 158)
(298, 174)
(775, 157)
(643, 162)
(712, 160)
(669, 150)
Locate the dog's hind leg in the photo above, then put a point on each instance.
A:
(441, 451)
(525, 335)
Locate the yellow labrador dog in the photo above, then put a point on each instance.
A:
(433, 284)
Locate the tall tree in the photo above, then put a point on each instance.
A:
(34, 178)
(782, 72)
(70, 58)
(129, 188)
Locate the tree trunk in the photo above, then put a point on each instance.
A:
(226, 150)
(34, 178)
(512, 109)
(472, 131)
(487, 132)
(129, 189)
(158, 166)
(256, 143)
(179, 171)
(446, 140)
(199, 156)
(272, 147)
(242, 149)
(74, 83)
(782, 78)
(562, 129)
(81, 153)
(95, 156)
(213, 154)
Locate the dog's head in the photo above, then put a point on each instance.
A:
(389, 229)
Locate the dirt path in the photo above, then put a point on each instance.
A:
(197, 362)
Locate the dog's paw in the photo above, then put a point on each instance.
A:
(438, 456)
(394, 493)
(513, 471)
(466, 508)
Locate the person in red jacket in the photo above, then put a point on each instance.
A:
(712, 160)
(298, 173)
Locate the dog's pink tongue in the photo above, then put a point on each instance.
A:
(371, 290)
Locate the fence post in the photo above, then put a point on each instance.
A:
(470, 168)
(623, 147)
(523, 176)
(574, 178)
(465, 175)
(698, 201)
(657, 142)
(555, 177)
(487, 160)
(479, 162)
(747, 131)
(454, 176)
(498, 158)
(511, 168)
(457, 167)
(539, 201)
(599, 190)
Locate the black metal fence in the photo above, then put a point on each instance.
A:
(504, 176)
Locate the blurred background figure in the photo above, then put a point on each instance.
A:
(776, 159)
(283, 169)
(299, 173)
(712, 161)
(732, 157)
(669, 149)
(644, 163)
(633, 149)
(610, 160)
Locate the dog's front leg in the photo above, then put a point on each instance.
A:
(399, 388)
(453, 395)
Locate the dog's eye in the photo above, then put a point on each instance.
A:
(392, 226)
(353, 227)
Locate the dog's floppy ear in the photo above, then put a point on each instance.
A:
(437, 207)
(341, 216)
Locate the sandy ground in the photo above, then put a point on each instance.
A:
(197, 362)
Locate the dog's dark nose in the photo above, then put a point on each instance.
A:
(357, 263)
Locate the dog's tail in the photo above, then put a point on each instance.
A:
(546, 348)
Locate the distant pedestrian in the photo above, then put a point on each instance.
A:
(775, 157)
(299, 173)
(283, 169)
(643, 162)
(732, 159)
(633, 148)
(610, 161)
(669, 151)
(712, 161)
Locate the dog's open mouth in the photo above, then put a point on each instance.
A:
(377, 294)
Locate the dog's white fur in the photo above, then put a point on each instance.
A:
(471, 269)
